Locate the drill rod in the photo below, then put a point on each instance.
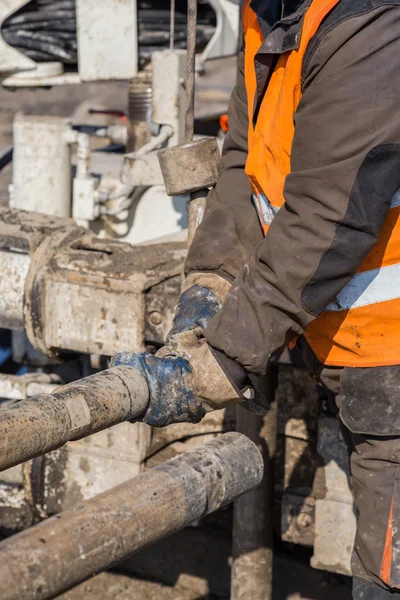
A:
(61, 552)
(46, 422)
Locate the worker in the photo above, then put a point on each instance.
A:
(300, 245)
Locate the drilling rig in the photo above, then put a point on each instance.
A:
(98, 221)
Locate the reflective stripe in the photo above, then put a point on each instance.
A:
(395, 199)
(369, 287)
(265, 210)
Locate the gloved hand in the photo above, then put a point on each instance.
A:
(187, 378)
(202, 297)
(185, 381)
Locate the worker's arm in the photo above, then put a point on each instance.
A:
(345, 168)
(230, 228)
(185, 380)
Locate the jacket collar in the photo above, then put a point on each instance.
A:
(280, 22)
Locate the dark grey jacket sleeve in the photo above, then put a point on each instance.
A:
(230, 228)
(345, 167)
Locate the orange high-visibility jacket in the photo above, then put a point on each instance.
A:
(361, 327)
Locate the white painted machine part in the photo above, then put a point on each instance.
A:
(14, 268)
(35, 79)
(155, 215)
(107, 39)
(11, 60)
(42, 165)
(48, 71)
(226, 37)
(19, 387)
(168, 101)
(118, 134)
(335, 520)
(85, 206)
(103, 460)
(168, 109)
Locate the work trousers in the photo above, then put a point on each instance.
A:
(367, 402)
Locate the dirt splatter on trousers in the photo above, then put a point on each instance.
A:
(367, 402)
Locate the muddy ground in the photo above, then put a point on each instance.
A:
(294, 581)
(293, 577)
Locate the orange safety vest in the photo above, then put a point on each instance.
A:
(361, 327)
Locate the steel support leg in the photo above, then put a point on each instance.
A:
(252, 527)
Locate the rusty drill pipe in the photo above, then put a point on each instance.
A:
(67, 549)
(46, 422)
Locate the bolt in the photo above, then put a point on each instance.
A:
(304, 520)
(155, 318)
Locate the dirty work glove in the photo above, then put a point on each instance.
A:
(187, 378)
(202, 297)
(196, 308)
(199, 302)
(172, 395)
(185, 381)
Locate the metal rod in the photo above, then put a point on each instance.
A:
(252, 524)
(65, 550)
(190, 69)
(198, 200)
(43, 423)
(197, 207)
(172, 26)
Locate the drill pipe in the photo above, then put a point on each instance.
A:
(46, 422)
(67, 549)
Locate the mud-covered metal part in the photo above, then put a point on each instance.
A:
(15, 511)
(42, 423)
(140, 94)
(190, 167)
(42, 164)
(160, 305)
(84, 468)
(19, 387)
(73, 291)
(88, 295)
(335, 519)
(21, 232)
(14, 267)
(253, 512)
(301, 479)
(24, 231)
(197, 208)
(59, 553)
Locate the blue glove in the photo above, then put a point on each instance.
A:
(196, 308)
(172, 395)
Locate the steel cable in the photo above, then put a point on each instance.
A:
(190, 69)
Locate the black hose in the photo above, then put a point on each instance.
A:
(6, 158)
(45, 30)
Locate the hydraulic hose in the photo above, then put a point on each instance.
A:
(47, 31)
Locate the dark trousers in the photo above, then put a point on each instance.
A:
(368, 404)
